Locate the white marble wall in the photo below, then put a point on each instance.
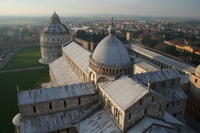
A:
(51, 46)
(57, 105)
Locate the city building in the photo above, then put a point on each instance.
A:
(52, 37)
(98, 92)
(180, 47)
(129, 36)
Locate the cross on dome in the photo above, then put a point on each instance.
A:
(112, 29)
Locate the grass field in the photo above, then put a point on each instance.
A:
(8, 101)
(26, 57)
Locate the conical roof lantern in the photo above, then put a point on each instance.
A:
(55, 18)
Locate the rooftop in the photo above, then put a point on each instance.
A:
(55, 25)
(132, 91)
(110, 51)
(157, 76)
(62, 72)
(172, 94)
(181, 66)
(78, 54)
(48, 94)
(98, 122)
(52, 122)
(152, 125)
(144, 65)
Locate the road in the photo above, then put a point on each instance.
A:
(23, 69)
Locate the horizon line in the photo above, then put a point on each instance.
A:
(99, 15)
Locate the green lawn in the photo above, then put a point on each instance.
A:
(26, 57)
(8, 101)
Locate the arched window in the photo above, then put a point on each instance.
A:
(141, 102)
(65, 104)
(167, 105)
(160, 107)
(79, 101)
(129, 116)
(34, 109)
(116, 112)
(50, 106)
(152, 99)
(117, 71)
(163, 84)
(145, 111)
(110, 71)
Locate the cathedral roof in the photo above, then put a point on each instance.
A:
(55, 25)
(48, 94)
(153, 125)
(157, 76)
(124, 91)
(110, 51)
(62, 73)
(54, 121)
(166, 60)
(98, 122)
(78, 54)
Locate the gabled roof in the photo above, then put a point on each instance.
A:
(124, 91)
(157, 76)
(172, 94)
(62, 73)
(170, 119)
(78, 54)
(152, 125)
(145, 65)
(52, 122)
(55, 93)
(98, 122)
(181, 66)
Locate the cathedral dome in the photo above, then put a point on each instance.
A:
(55, 25)
(110, 51)
(197, 71)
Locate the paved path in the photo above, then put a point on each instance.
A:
(23, 69)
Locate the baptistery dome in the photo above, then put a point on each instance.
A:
(55, 25)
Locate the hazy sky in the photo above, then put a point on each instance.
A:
(186, 8)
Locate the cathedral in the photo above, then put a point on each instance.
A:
(99, 92)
